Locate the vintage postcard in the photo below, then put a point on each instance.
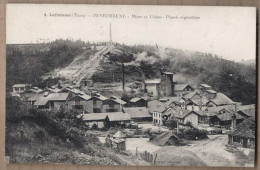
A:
(131, 85)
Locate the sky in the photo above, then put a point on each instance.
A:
(229, 32)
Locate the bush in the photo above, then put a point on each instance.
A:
(193, 134)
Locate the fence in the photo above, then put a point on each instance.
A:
(147, 156)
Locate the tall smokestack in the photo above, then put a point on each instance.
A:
(123, 76)
(110, 34)
(233, 119)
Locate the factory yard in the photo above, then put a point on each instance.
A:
(208, 152)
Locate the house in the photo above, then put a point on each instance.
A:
(96, 121)
(158, 115)
(81, 102)
(185, 116)
(153, 87)
(106, 120)
(52, 101)
(117, 141)
(248, 112)
(244, 134)
(119, 119)
(20, 88)
(31, 98)
(138, 102)
(225, 119)
(138, 114)
(113, 104)
(97, 102)
(166, 138)
(219, 100)
(182, 89)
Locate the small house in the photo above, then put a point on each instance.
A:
(138, 102)
(182, 89)
(80, 102)
(20, 88)
(220, 100)
(138, 114)
(113, 104)
(96, 121)
(244, 134)
(119, 119)
(52, 101)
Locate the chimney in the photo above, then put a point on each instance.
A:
(123, 76)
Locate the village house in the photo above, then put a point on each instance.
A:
(158, 115)
(244, 134)
(106, 120)
(113, 104)
(225, 119)
(97, 102)
(182, 89)
(20, 88)
(219, 100)
(96, 121)
(52, 101)
(138, 102)
(138, 114)
(80, 102)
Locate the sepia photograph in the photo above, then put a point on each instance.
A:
(130, 85)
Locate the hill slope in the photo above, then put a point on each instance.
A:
(67, 60)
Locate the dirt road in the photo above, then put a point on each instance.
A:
(212, 151)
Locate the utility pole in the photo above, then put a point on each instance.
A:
(110, 34)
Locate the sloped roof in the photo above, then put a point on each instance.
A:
(136, 99)
(180, 87)
(211, 91)
(242, 107)
(205, 85)
(118, 116)
(99, 96)
(19, 85)
(167, 72)
(55, 90)
(94, 116)
(245, 129)
(163, 138)
(41, 102)
(190, 94)
(155, 81)
(84, 97)
(249, 112)
(181, 113)
(57, 96)
(200, 102)
(219, 108)
(221, 99)
(117, 100)
(228, 116)
(36, 90)
(119, 134)
(137, 112)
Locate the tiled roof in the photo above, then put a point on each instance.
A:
(94, 116)
(84, 97)
(117, 100)
(136, 99)
(180, 87)
(137, 112)
(205, 85)
(19, 85)
(221, 99)
(118, 116)
(41, 102)
(190, 94)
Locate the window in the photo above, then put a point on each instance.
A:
(22, 88)
(16, 89)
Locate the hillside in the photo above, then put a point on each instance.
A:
(55, 137)
(67, 61)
